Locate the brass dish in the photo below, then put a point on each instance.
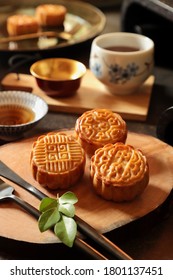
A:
(87, 17)
(58, 76)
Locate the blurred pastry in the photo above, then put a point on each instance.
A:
(98, 127)
(119, 172)
(50, 15)
(22, 24)
(57, 160)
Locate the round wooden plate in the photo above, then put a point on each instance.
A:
(101, 214)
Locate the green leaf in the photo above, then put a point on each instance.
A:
(48, 219)
(68, 197)
(48, 203)
(66, 230)
(59, 213)
(67, 209)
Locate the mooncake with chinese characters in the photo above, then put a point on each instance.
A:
(57, 160)
(98, 127)
(119, 172)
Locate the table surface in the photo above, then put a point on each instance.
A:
(150, 237)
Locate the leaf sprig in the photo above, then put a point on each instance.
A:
(59, 213)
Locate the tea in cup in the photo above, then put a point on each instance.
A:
(122, 61)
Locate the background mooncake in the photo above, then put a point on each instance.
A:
(98, 127)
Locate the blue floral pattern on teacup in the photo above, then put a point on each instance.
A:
(96, 69)
(118, 74)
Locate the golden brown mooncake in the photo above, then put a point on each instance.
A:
(50, 14)
(119, 172)
(98, 127)
(20, 24)
(57, 160)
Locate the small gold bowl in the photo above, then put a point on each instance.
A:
(58, 76)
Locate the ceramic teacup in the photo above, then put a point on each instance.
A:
(122, 61)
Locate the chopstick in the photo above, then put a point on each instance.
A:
(85, 228)
(100, 239)
(62, 35)
(95, 254)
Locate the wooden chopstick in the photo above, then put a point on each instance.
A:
(100, 239)
(62, 35)
(95, 254)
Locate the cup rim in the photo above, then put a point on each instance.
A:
(33, 69)
(103, 38)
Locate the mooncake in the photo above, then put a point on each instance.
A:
(98, 127)
(119, 172)
(21, 24)
(50, 14)
(57, 160)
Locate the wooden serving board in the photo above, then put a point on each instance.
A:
(101, 214)
(91, 94)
